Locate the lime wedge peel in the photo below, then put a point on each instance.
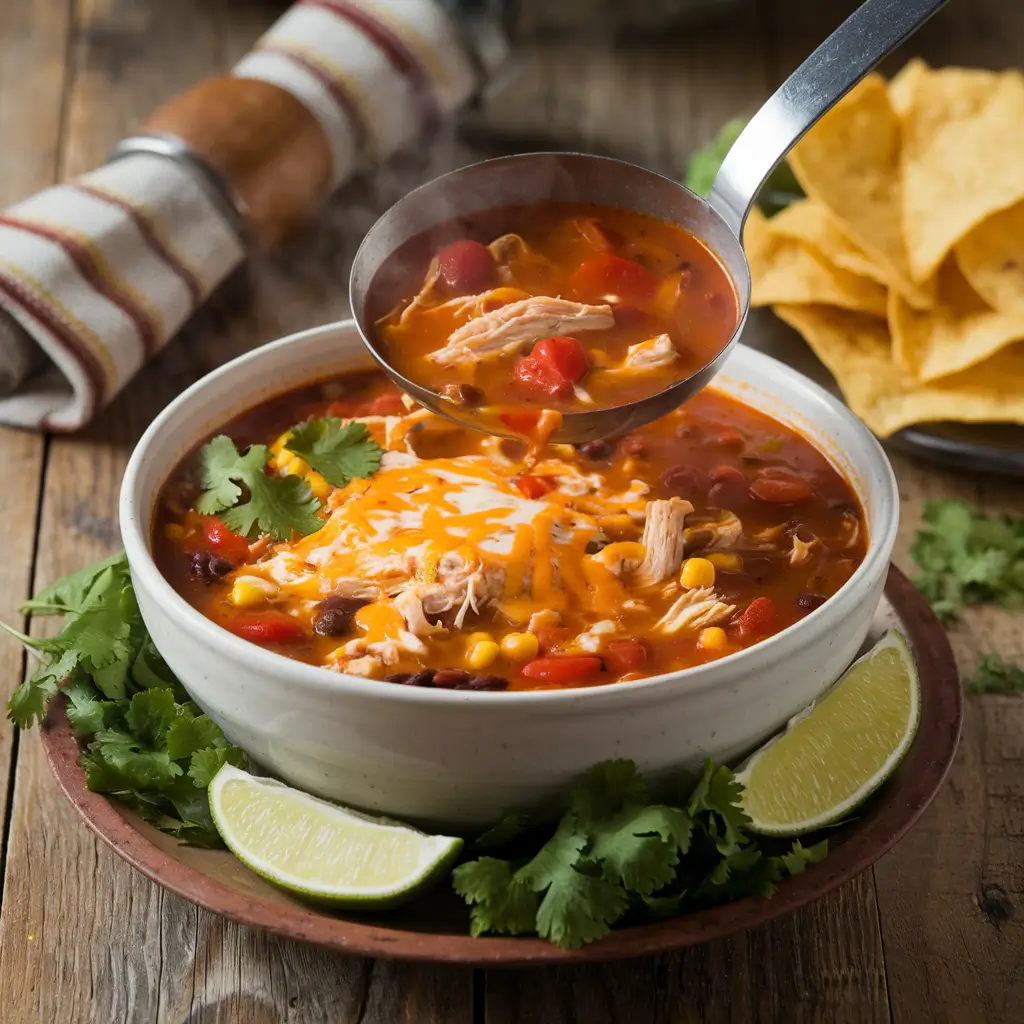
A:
(834, 756)
(320, 850)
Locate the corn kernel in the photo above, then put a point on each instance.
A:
(173, 531)
(483, 654)
(520, 646)
(318, 486)
(697, 572)
(296, 467)
(713, 638)
(474, 638)
(248, 591)
(725, 561)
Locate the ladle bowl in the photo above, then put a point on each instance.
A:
(838, 64)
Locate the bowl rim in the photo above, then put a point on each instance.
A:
(248, 656)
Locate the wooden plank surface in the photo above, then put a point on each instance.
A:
(933, 934)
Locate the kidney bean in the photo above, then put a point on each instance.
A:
(757, 620)
(333, 615)
(466, 267)
(810, 601)
(626, 655)
(484, 683)
(634, 446)
(779, 487)
(448, 678)
(398, 677)
(206, 567)
(599, 449)
(682, 481)
(425, 678)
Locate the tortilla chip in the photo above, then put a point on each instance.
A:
(850, 162)
(856, 350)
(902, 85)
(959, 332)
(808, 221)
(963, 154)
(786, 271)
(991, 257)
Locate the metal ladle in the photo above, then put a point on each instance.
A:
(839, 63)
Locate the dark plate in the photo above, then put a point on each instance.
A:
(973, 447)
(434, 929)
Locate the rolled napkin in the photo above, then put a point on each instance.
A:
(97, 274)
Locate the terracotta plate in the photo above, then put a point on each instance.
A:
(435, 928)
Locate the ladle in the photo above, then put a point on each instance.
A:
(836, 66)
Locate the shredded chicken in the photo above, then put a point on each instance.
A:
(695, 609)
(622, 558)
(652, 354)
(849, 530)
(369, 667)
(714, 535)
(593, 638)
(663, 540)
(352, 586)
(524, 321)
(410, 607)
(544, 619)
(802, 550)
(433, 273)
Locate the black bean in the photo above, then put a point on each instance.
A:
(599, 449)
(398, 677)
(421, 678)
(462, 394)
(448, 678)
(484, 683)
(810, 601)
(333, 615)
(207, 567)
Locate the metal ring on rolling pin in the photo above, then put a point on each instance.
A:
(212, 182)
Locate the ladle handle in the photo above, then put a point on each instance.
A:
(873, 30)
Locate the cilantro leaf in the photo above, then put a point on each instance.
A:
(88, 711)
(499, 901)
(189, 733)
(122, 761)
(717, 796)
(968, 558)
(795, 862)
(206, 763)
(995, 676)
(510, 828)
(69, 592)
(639, 847)
(27, 706)
(337, 452)
(277, 506)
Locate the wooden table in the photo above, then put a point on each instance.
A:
(934, 933)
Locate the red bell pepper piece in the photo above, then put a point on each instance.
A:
(609, 278)
(268, 628)
(564, 668)
(225, 542)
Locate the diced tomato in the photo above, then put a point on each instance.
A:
(268, 628)
(522, 421)
(729, 439)
(780, 487)
(756, 621)
(226, 543)
(624, 656)
(551, 638)
(466, 267)
(554, 365)
(388, 404)
(533, 487)
(563, 668)
(726, 474)
(614, 279)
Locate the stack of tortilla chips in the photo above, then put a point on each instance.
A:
(904, 267)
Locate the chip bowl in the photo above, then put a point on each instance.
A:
(460, 759)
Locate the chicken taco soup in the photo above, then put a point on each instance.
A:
(341, 525)
(561, 306)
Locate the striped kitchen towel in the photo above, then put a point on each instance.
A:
(97, 274)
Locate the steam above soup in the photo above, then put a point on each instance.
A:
(560, 306)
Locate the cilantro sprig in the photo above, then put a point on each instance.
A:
(338, 451)
(968, 558)
(146, 743)
(994, 675)
(275, 505)
(615, 855)
(248, 500)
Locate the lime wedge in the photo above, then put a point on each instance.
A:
(320, 850)
(832, 758)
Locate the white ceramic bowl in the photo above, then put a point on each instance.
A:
(461, 759)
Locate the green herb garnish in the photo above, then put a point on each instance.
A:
(968, 558)
(338, 452)
(275, 505)
(994, 675)
(148, 744)
(614, 854)
(778, 191)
